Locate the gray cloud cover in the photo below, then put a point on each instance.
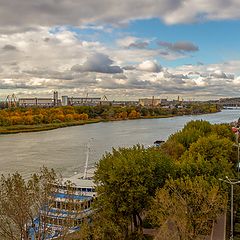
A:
(69, 12)
(97, 62)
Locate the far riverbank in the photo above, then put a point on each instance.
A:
(35, 119)
(14, 129)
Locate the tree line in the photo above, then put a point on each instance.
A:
(37, 115)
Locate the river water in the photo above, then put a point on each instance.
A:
(64, 149)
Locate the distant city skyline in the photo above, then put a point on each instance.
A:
(124, 50)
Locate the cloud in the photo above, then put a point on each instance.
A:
(9, 47)
(139, 45)
(58, 58)
(80, 13)
(97, 62)
(128, 68)
(179, 46)
(164, 53)
(221, 74)
(119, 76)
(132, 42)
(50, 74)
(10, 84)
(149, 66)
(95, 13)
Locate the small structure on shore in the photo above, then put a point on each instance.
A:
(158, 143)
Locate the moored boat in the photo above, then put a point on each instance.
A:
(69, 204)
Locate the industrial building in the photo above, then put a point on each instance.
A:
(71, 101)
(123, 103)
(80, 101)
(40, 102)
(55, 101)
(149, 102)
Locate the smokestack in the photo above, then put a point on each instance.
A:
(55, 98)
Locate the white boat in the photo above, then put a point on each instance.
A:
(68, 206)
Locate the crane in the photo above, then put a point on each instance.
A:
(11, 100)
(104, 98)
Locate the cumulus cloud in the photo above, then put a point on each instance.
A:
(149, 66)
(179, 46)
(97, 62)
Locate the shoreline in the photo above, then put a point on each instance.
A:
(14, 129)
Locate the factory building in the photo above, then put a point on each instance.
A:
(55, 101)
(40, 102)
(80, 101)
(124, 103)
(64, 100)
(31, 102)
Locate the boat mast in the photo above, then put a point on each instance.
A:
(86, 163)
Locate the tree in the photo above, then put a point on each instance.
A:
(210, 156)
(21, 202)
(212, 147)
(186, 208)
(191, 132)
(134, 114)
(173, 148)
(223, 130)
(126, 179)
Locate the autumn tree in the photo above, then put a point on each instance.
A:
(134, 114)
(20, 204)
(186, 208)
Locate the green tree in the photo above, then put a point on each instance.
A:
(126, 180)
(173, 148)
(191, 132)
(210, 156)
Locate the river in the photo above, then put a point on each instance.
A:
(64, 149)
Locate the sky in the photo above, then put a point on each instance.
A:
(126, 49)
